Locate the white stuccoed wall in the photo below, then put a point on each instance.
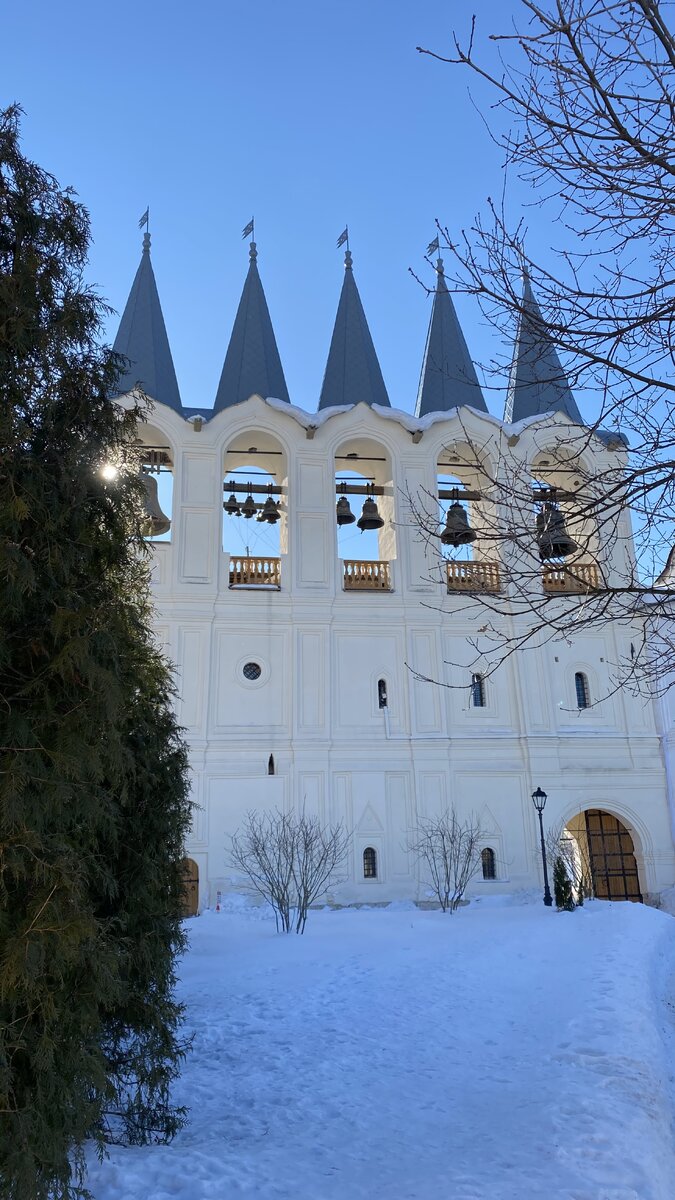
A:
(322, 651)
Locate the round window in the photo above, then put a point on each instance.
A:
(252, 671)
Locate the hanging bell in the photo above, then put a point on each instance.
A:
(156, 522)
(269, 511)
(552, 537)
(249, 508)
(343, 513)
(457, 530)
(231, 506)
(370, 517)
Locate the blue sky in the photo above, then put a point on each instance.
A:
(309, 116)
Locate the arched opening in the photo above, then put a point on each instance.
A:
(488, 863)
(255, 527)
(604, 854)
(270, 765)
(565, 531)
(157, 464)
(364, 515)
(382, 701)
(190, 888)
(370, 863)
(469, 536)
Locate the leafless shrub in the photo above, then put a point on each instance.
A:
(560, 843)
(264, 851)
(450, 849)
(290, 861)
(320, 853)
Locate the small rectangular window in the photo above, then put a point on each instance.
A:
(477, 691)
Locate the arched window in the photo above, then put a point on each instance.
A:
(487, 858)
(382, 693)
(157, 477)
(270, 765)
(369, 863)
(582, 690)
(477, 691)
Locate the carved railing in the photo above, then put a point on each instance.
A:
(362, 576)
(574, 580)
(255, 572)
(473, 577)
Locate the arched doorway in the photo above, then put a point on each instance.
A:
(190, 888)
(607, 849)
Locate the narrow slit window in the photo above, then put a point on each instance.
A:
(477, 691)
(582, 690)
(487, 858)
(369, 863)
(270, 765)
(382, 693)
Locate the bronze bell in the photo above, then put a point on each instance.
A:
(370, 517)
(457, 530)
(249, 508)
(552, 537)
(156, 522)
(343, 513)
(231, 506)
(269, 511)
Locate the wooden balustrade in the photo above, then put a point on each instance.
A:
(473, 576)
(255, 572)
(362, 576)
(574, 580)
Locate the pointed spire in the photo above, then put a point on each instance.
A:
(352, 373)
(448, 377)
(142, 339)
(252, 364)
(537, 384)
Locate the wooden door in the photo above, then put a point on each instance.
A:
(190, 888)
(612, 857)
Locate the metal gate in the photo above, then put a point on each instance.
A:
(612, 857)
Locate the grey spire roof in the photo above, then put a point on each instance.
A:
(252, 365)
(142, 339)
(352, 373)
(537, 383)
(448, 377)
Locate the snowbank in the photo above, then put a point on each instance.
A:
(507, 1052)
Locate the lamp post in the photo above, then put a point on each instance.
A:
(539, 799)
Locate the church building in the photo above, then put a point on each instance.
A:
(312, 630)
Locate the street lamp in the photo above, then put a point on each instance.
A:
(539, 799)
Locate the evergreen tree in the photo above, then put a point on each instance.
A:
(562, 886)
(93, 779)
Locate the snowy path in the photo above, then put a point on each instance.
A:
(509, 1053)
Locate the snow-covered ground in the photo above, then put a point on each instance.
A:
(508, 1052)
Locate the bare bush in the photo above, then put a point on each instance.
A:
(290, 861)
(264, 851)
(561, 844)
(450, 849)
(320, 852)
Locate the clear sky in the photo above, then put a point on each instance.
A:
(308, 115)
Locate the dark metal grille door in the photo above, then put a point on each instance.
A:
(613, 865)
